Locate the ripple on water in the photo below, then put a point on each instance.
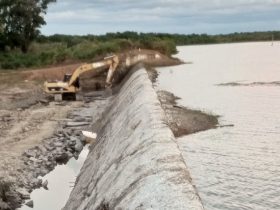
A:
(232, 167)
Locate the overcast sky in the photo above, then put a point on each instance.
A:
(172, 16)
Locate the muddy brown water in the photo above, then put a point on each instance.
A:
(232, 167)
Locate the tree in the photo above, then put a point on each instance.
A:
(2, 44)
(21, 21)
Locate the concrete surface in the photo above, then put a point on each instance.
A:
(135, 162)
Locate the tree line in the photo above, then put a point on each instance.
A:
(57, 49)
(177, 39)
(22, 45)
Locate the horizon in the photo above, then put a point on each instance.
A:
(210, 17)
(219, 34)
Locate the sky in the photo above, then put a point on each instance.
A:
(82, 17)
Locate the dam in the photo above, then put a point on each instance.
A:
(135, 162)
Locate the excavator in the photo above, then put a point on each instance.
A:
(70, 86)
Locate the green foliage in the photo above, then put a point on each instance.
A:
(21, 20)
(49, 50)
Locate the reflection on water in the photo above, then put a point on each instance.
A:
(60, 183)
(233, 167)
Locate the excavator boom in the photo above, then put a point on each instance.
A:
(71, 83)
(71, 86)
(111, 62)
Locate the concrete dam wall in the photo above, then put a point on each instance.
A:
(135, 162)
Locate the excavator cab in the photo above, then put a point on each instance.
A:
(67, 77)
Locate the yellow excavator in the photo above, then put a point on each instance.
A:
(70, 86)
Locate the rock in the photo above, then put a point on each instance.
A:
(61, 158)
(25, 129)
(77, 133)
(79, 119)
(4, 205)
(45, 185)
(30, 204)
(43, 172)
(49, 147)
(58, 144)
(29, 153)
(72, 141)
(43, 149)
(49, 164)
(43, 101)
(79, 146)
(70, 155)
(36, 182)
(59, 135)
(76, 156)
(33, 159)
(66, 134)
(76, 124)
(24, 193)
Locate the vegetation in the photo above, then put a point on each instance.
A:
(62, 49)
(20, 21)
(55, 49)
(21, 45)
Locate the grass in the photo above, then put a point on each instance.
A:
(53, 53)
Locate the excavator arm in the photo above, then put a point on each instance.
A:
(111, 62)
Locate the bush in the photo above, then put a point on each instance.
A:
(60, 48)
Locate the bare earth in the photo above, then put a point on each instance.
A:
(27, 119)
(24, 129)
(26, 116)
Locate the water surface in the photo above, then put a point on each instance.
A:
(60, 183)
(233, 167)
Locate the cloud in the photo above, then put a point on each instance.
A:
(182, 16)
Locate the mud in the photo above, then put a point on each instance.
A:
(274, 83)
(184, 121)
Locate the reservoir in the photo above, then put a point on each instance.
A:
(238, 166)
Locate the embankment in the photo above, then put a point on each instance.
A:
(135, 162)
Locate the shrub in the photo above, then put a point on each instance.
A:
(60, 48)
